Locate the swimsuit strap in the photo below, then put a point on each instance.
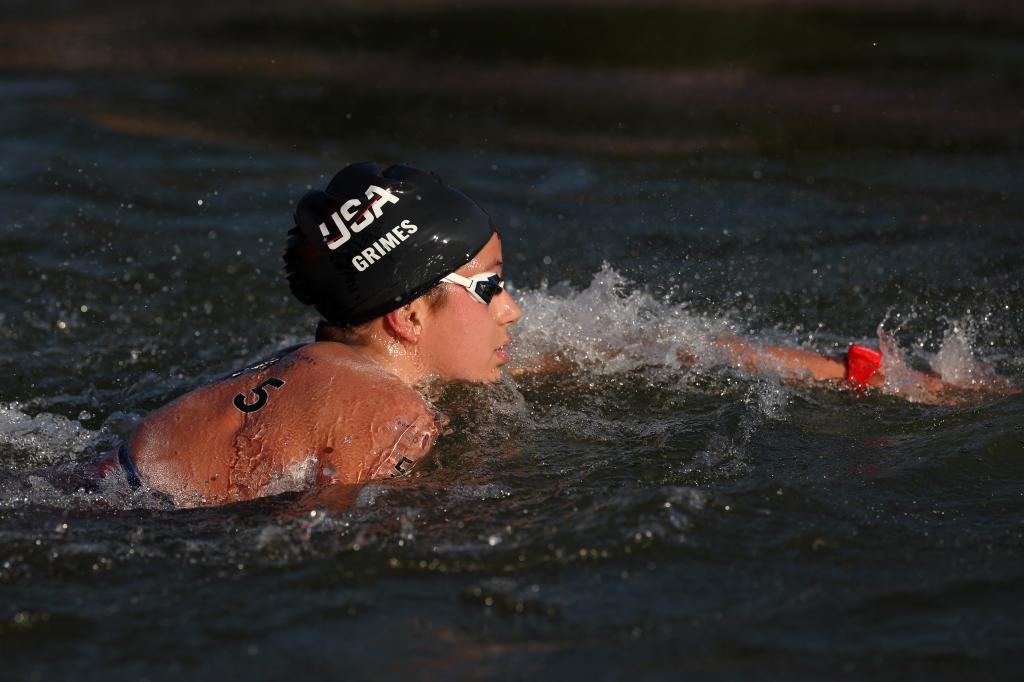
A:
(265, 362)
(125, 459)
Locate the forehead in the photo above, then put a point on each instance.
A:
(489, 259)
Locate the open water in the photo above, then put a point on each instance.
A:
(636, 518)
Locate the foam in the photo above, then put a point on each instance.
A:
(47, 439)
(955, 362)
(611, 327)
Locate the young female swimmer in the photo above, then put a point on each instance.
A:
(407, 274)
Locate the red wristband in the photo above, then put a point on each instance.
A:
(862, 363)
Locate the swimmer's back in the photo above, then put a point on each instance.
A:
(324, 411)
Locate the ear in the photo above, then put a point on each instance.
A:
(406, 323)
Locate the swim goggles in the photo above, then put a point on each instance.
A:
(482, 287)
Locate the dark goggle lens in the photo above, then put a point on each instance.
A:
(489, 288)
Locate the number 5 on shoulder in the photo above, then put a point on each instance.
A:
(261, 395)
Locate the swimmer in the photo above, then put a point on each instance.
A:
(407, 273)
(408, 276)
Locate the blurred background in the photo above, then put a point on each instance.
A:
(596, 78)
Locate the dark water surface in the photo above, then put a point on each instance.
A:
(633, 519)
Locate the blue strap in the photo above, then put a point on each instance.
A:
(129, 466)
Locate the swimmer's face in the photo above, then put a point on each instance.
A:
(469, 340)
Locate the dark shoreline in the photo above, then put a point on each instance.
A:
(646, 81)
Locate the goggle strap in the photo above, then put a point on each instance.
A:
(470, 284)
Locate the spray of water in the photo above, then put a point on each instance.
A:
(956, 360)
(42, 439)
(611, 327)
(950, 374)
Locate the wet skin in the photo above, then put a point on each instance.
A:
(329, 412)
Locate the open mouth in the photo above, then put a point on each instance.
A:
(503, 352)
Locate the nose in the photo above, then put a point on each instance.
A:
(508, 311)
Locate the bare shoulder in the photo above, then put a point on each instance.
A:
(373, 425)
(325, 405)
(352, 377)
(357, 392)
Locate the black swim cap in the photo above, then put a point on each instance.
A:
(372, 242)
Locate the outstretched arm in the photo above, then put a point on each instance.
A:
(788, 363)
(859, 367)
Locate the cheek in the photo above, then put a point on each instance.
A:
(465, 330)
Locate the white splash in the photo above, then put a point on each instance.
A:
(955, 365)
(610, 327)
(956, 362)
(48, 438)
